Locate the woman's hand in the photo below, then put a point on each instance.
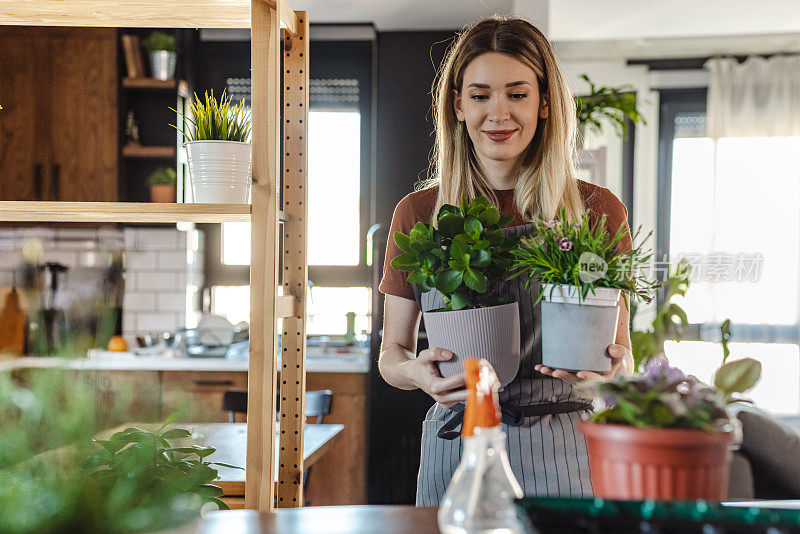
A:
(621, 360)
(422, 371)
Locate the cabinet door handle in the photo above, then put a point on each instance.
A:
(213, 382)
(56, 182)
(37, 181)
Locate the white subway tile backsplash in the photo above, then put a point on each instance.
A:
(130, 322)
(64, 257)
(157, 239)
(140, 302)
(42, 234)
(156, 281)
(129, 236)
(180, 281)
(172, 260)
(76, 244)
(171, 302)
(76, 233)
(157, 322)
(135, 261)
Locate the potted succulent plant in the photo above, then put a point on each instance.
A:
(162, 184)
(663, 435)
(160, 48)
(218, 149)
(582, 274)
(464, 256)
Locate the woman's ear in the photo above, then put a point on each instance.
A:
(544, 107)
(457, 105)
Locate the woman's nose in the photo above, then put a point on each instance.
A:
(498, 110)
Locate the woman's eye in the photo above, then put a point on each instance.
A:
(479, 97)
(518, 96)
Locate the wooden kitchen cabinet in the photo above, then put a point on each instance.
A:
(197, 394)
(59, 123)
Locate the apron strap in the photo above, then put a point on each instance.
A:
(511, 415)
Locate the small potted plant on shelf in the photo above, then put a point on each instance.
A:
(218, 149)
(160, 48)
(582, 274)
(663, 435)
(464, 257)
(162, 184)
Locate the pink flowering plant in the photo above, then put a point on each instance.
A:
(664, 397)
(578, 253)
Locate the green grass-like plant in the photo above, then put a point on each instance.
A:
(212, 120)
(163, 176)
(464, 257)
(158, 40)
(557, 254)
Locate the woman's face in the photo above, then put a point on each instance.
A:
(500, 104)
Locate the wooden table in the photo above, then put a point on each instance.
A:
(230, 440)
(322, 520)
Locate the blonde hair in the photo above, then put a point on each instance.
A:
(547, 175)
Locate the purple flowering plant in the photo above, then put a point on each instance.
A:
(586, 255)
(664, 397)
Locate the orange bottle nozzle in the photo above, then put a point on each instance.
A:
(483, 405)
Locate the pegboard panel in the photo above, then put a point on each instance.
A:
(295, 265)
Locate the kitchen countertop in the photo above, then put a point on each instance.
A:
(316, 362)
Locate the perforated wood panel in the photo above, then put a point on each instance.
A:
(295, 274)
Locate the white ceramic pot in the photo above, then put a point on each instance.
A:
(575, 337)
(492, 333)
(219, 171)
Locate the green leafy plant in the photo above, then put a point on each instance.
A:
(212, 120)
(163, 176)
(54, 479)
(583, 255)
(464, 257)
(156, 465)
(664, 397)
(614, 104)
(158, 40)
(670, 320)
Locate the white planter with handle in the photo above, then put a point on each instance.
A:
(220, 171)
(576, 337)
(492, 333)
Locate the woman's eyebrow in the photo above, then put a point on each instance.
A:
(487, 86)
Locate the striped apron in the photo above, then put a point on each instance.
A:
(540, 415)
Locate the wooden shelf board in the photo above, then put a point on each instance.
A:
(151, 83)
(139, 13)
(142, 151)
(122, 212)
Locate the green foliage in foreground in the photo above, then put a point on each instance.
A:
(55, 478)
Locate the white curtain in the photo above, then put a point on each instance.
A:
(757, 98)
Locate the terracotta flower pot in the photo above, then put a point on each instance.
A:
(162, 193)
(631, 463)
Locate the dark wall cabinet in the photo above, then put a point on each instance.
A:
(59, 125)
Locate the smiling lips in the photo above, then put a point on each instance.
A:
(499, 135)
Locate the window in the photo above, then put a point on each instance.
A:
(732, 207)
(339, 192)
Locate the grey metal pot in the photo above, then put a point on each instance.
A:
(162, 64)
(576, 337)
(492, 333)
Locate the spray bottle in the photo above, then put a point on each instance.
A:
(480, 497)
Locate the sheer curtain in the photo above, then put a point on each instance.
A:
(757, 98)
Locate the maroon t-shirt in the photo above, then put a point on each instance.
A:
(418, 206)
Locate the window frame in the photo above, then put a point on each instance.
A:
(673, 102)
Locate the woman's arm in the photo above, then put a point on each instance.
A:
(398, 364)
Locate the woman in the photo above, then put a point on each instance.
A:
(505, 129)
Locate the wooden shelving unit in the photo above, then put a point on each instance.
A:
(266, 18)
(152, 83)
(143, 151)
